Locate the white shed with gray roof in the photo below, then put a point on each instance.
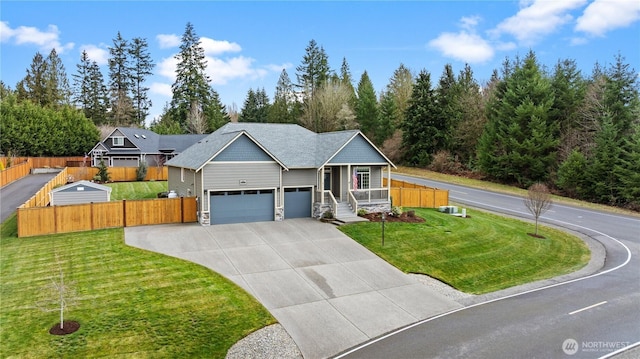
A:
(80, 192)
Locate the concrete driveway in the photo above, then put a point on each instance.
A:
(328, 291)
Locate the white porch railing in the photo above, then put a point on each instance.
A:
(371, 195)
(353, 202)
(334, 204)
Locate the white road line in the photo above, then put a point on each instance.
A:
(587, 308)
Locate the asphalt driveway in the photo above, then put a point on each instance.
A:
(328, 291)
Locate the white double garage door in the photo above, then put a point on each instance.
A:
(257, 205)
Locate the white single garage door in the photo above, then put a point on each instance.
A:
(297, 202)
(242, 206)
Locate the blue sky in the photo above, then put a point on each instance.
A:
(249, 43)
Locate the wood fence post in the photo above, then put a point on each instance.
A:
(182, 209)
(124, 212)
(55, 219)
(91, 213)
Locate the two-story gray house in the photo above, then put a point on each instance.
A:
(249, 172)
(128, 147)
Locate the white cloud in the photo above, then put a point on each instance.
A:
(605, 15)
(576, 41)
(167, 68)
(162, 89)
(28, 35)
(469, 23)
(463, 46)
(279, 68)
(216, 47)
(537, 18)
(98, 54)
(166, 41)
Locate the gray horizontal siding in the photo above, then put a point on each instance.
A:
(306, 177)
(77, 197)
(183, 189)
(358, 151)
(227, 176)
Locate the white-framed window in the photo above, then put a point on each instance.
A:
(117, 141)
(362, 176)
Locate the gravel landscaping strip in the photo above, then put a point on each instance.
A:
(272, 342)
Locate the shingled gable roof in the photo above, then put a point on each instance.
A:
(291, 145)
(149, 142)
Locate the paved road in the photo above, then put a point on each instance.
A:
(600, 313)
(16, 193)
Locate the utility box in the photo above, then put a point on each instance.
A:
(448, 209)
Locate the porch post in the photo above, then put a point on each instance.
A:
(322, 185)
(388, 182)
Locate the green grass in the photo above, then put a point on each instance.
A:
(130, 303)
(136, 190)
(476, 255)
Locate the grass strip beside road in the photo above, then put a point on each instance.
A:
(129, 302)
(477, 255)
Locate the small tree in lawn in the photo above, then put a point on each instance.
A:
(103, 172)
(58, 296)
(538, 201)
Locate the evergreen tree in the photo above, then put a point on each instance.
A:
(519, 143)
(387, 113)
(367, 107)
(468, 129)
(448, 113)
(345, 77)
(569, 89)
(627, 170)
(89, 91)
(571, 174)
(191, 87)
(142, 67)
(57, 89)
(313, 71)
(120, 83)
(420, 131)
(33, 86)
(400, 88)
(283, 109)
(603, 185)
(249, 111)
(622, 96)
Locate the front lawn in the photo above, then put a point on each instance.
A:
(476, 255)
(129, 302)
(136, 190)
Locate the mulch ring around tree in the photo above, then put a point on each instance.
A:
(407, 217)
(69, 326)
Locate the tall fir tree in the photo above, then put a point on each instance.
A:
(33, 86)
(448, 113)
(627, 169)
(285, 107)
(387, 114)
(89, 91)
(569, 88)
(519, 143)
(120, 83)
(345, 78)
(141, 68)
(400, 88)
(468, 129)
(249, 110)
(313, 71)
(367, 107)
(192, 88)
(420, 131)
(57, 89)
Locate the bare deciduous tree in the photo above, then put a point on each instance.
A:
(58, 295)
(538, 201)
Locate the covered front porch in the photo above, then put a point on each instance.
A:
(344, 189)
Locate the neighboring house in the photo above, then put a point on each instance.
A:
(248, 172)
(127, 147)
(80, 192)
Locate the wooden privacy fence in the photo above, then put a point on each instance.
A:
(41, 198)
(85, 217)
(119, 174)
(15, 172)
(408, 194)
